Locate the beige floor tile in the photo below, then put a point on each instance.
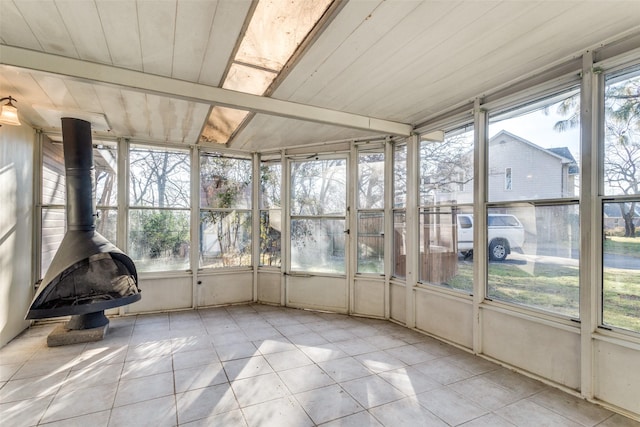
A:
(23, 412)
(322, 352)
(356, 346)
(327, 403)
(190, 359)
(489, 420)
(380, 361)
(7, 371)
(344, 369)
(450, 406)
(485, 393)
(285, 411)
(307, 339)
(254, 390)
(205, 402)
(80, 402)
(409, 380)
(145, 367)
(273, 345)
(236, 351)
(619, 421)
(372, 391)
(305, 378)
(34, 368)
(526, 413)
(410, 354)
(405, 413)
(360, 419)
(191, 343)
(96, 419)
(144, 388)
(442, 371)
(287, 360)
(246, 368)
(575, 409)
(160, 412)
(292, 329)
(92, 376)
(30, 388)
(233, 418)
(199, 377)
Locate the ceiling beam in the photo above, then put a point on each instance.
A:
(190, 91)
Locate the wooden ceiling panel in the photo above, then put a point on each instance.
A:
(47, 25)
(83, 24)
(227, 25)
(193, 27)
(119, 20)
(157, 20)
(14, 29)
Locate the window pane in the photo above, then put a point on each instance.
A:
(399, 244)
(371, 179)
(400, 176)
(318, 245)
(54, 225)
(371, 242)
(622, 135)
(318, 187)
(159, 239)
(159, 178)
(533, 150)
(446, 245)
(225, 182)
(107, 223)
(270, 185)
(105, 159)
(621, 265)
(270, 230)
(446, 168)
(533, 252)
(53, 174)
(225, 239)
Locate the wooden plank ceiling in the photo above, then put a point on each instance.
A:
(397, 60)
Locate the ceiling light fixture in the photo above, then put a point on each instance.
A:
(9, 113)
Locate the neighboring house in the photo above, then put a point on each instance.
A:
(521, 170)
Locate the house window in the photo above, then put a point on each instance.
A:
(399, 211)
(370, 227)
(159, 216)
(508, 183)
(621, 201)
(53, 195)
(446, 236)
(270, 213)
(533, 228)
(318, 215)
(225, 211)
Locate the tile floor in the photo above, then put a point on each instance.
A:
(257, 365)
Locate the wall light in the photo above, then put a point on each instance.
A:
(9, 113)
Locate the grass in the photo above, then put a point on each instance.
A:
(628, 246)
(555, 288)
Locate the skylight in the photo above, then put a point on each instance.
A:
(276, 30)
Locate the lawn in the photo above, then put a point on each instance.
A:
(554, 288)
(628, 246)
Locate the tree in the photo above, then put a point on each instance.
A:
(621, 140)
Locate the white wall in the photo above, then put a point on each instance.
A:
(16, 228)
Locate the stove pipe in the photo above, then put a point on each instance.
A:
(88, 274)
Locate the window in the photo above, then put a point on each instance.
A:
(225, 211)
(270, 213)
(399, 210)
(370, 230)
(508, 183)
(533, 228)
(54, 196)
(621, 202)
(159, 198)
(446, 207)
(318, 215)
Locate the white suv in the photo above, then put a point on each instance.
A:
(505, 233)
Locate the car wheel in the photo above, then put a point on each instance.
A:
(498, 250)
